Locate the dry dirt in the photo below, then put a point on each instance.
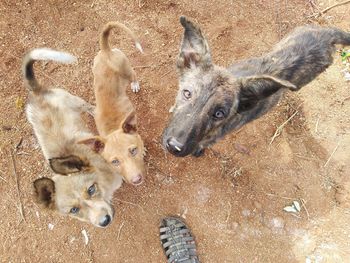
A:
(233, 197)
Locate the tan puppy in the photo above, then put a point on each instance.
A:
(55, 114)
(119, 143)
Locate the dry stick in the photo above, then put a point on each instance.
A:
(166, 73)
(2, 178)
(314, 5)
(280, 128)
(229, 212)
(316, 127)
(330, 157)
(335, 5)
(304, 205)
(126, 202)
(120, 229)
(283, 197)
(146, 66)
(20, 206)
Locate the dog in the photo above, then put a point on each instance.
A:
(213, 101)
(119, 143)
(84, 182)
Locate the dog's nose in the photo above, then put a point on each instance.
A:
(137, 180)
(105, 221)
(174, 145)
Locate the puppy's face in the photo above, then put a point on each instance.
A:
(125, 152)
(210, 101)
(79, 191)
(123, 149)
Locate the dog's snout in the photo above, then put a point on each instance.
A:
(137, 179)
(174, 145)
(105, 221)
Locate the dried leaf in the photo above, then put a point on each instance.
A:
(297, 205)
(290, 209)
(19, 103)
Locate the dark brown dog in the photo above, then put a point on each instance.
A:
(212, 100)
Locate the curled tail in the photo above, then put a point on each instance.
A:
(104, 45)
(341, 37)
(44, 54)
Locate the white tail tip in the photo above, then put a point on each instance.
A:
(138, 46)
(50, 54)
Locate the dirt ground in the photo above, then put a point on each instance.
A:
(232, 197)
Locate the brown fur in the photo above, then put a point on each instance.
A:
(55, 116)
(115, 115)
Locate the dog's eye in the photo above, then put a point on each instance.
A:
(74, 210)
(219, 114)
(187, 94)
(115, 162)
(133, 151)
(92, 190)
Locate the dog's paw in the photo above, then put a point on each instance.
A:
(135, 86)
(198, 152)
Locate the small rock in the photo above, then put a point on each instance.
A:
(6, 128)
(257, 205)
(86, 238)
(277, 222)
(246, 212)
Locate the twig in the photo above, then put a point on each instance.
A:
(20, 206)
(146, 66)
(304, 205)
(229, 212)
(295, 215)
(335, 5)
(330, 157)
(166, 73)
(120, 229)
(2, 178)
(130, 203)
(314, 5)
(321, 12)
(280, 128)
(316, 128)
(283, 197)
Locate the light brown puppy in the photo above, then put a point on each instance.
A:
(119, 143)
(84, 181)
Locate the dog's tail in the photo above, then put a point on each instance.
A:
(42, 54)
(340, 37)
(104, 45)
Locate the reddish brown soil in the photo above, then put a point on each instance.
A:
(233, 197)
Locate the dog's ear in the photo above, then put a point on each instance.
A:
(44, 192)
(256, 88)
(129, 123)
(96, 143)
(194, 51)
(67, 165)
